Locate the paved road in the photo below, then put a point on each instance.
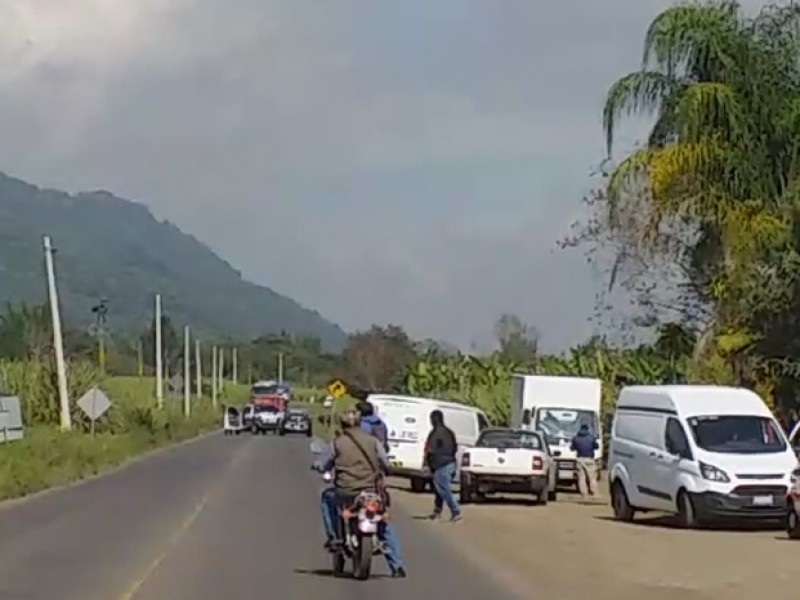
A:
(217, 518)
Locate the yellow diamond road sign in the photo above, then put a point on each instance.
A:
(337, 388)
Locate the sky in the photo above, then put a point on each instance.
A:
(418, 160)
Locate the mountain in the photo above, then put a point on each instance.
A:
(108, 247)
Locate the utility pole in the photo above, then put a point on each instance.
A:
(159, 357)
(221, 378)
(187, 372)
(58, 340)
(280, 367)
(198, 360)
(101, 311)
(214, 374)
(235, 365)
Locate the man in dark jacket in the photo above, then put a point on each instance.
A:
(584, 445)
(440, 458)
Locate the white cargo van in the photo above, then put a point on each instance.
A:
(408, 420)
(701, 452)
(557, 407)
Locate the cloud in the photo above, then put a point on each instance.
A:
(418, 161)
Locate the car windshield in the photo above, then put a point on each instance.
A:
(296, 416)
(563, 424)
(266, 409)
(510, 439)
(737, 434)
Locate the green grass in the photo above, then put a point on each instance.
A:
(48, 457)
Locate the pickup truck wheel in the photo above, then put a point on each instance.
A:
(418, 485)
(466, 495)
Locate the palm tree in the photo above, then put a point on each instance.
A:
(715, 182)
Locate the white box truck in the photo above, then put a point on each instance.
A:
(557, 407)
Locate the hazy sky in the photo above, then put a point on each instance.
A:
(411, 162)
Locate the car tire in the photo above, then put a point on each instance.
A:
(792, 522)
(418, 485)
(623, 511)
(281, 433)
(687, 513)
(466, 495)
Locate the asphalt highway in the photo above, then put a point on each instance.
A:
(220, 518)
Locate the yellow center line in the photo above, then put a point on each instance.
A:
(184, 527)
(131, 592)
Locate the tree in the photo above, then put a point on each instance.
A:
(172, 347)
(518, 341)
(379, 358)
(713, 193)
(25, 332)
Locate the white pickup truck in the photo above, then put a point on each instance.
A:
(508, 461)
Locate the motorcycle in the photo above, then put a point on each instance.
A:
(359, 528)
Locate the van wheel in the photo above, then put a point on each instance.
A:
(418, 485)
(792, 523)
(687, 515)
(623, 511)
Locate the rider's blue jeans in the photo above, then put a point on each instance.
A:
(330, 516)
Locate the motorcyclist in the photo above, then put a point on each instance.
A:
(358, 462)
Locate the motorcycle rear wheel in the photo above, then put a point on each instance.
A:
(362, 558)
(337, 562)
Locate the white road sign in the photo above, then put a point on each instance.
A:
(94, 403)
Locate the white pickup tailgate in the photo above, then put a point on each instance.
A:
(503, 461)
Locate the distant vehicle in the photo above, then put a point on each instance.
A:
(296, 421)
(248, 411)
(557, 407)
(508, 461)
(232, 421)
(701, 452)
(264, 393)
(793, 507)
(267, 419)
(408, 423)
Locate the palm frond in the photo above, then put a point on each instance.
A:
(636, 93)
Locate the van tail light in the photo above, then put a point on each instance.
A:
(538, 463)
(465, 459)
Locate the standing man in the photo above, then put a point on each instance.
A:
(440, 458)
(373, 424)
(584, 445)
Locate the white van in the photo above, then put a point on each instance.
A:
(408, 420)
(701, 452)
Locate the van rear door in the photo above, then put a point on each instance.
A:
(408, 426)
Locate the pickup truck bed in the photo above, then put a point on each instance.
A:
(507, 470)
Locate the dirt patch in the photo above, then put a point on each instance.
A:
(569, 549)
